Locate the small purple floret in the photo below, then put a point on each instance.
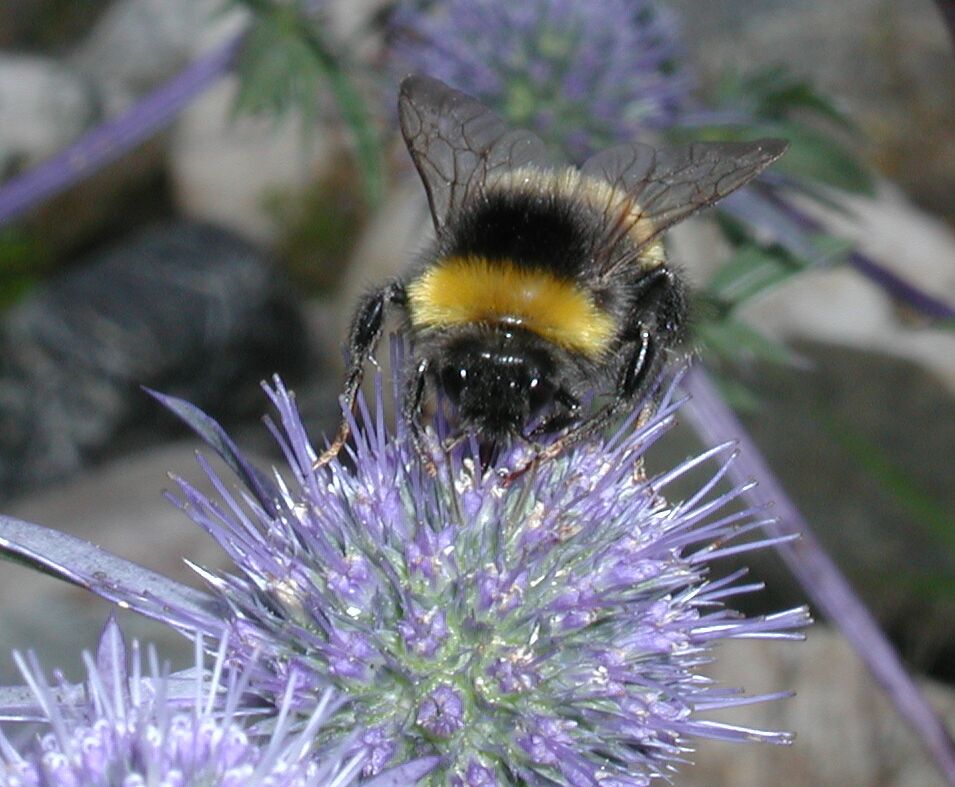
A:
(442, 712)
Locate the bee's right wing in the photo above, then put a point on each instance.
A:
(458, 145)
(661, 187)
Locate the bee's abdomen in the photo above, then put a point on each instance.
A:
(471, 289)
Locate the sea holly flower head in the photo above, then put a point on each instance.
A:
(547, 629)
(124, 727)
(583, 75)
(485, 627)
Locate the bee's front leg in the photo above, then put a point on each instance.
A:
(363, 337)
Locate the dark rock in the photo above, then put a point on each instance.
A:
(186, 308)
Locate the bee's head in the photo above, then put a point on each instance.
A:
(497, 382)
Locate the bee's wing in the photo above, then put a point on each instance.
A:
(669, 184)
(457, 144)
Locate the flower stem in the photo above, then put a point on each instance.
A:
(715, 422)
(888, 280)
(112, 139)
(899, 288)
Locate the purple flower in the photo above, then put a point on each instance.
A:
(550, 629)
(584, 75)
(123, 728)
(547, 630)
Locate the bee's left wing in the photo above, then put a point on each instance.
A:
(664, 186)
(458, 145)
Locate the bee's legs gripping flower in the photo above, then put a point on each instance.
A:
(363, 339)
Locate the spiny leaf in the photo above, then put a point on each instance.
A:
(737, 341)
(266, 493)
(284, 63)
(107, 575)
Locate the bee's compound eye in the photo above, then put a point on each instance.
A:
(453, 380)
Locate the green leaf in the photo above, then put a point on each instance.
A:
(811, 155)
(750, 271)
(277, 71)
(24, 260)
(736, 394)
(817, 156)
(774, 94)
(832, 249)
(927, 584)
(754, 269)
(737, 341)
(284, 64)
(365, 137)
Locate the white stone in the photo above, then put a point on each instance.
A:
(43, 106)
(138, 44)
(225, 168)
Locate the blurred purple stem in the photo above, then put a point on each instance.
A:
(947, 9)
(112, 139)
(888, 280)
(715, 422)
(899, 288)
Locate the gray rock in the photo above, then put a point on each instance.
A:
(865, 445)
(847, 733)
(187, 308)
(43, 106)
(138, 44)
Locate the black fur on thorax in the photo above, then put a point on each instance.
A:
(542, 230)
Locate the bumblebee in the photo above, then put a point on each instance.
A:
(544, 281)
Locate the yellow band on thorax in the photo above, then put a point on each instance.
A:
(462, 290)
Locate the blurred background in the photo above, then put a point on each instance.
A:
(194, 192)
